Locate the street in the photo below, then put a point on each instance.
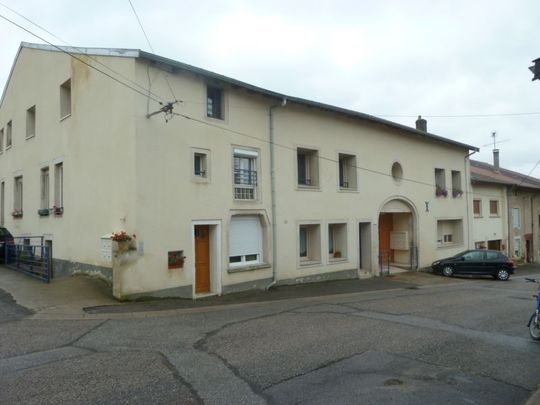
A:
(436, 340)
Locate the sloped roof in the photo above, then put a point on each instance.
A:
(136, 53)
(482, 172)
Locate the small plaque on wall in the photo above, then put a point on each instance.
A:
(176, 259)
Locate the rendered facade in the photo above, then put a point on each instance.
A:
(233, 188)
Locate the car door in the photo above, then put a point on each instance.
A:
(493, 262)
(473, 262)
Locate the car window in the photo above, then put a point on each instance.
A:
(473, 256)
(493, 256)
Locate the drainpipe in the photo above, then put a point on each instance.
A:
(273, 188)
(468, 194)
(532, 230)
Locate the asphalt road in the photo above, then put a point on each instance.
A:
(456, 342)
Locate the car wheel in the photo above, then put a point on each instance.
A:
(447, 271)
(503, 275)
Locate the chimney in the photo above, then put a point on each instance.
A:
(421, 124)
(496, 159)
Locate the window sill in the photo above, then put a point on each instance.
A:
(478, 216)
(8, 147)
(348, 190)
(449, 245)
(200, 179)
(253, 267)
(30, 137)
(310, 263)
(65, 117)
(301, 187)
(495, 216)
(336, 260)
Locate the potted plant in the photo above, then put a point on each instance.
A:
(337, 254)
(441, 192)
(43, 212)
(17, 213)
(58, 211)
(123, 241)
(456, 192)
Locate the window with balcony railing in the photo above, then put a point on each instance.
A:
(245, 174)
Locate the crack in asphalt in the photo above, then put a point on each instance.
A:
(176, 374)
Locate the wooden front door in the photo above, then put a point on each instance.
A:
(202, 258)
(386, 225)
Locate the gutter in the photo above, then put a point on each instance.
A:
(273, 188)
(468, 199)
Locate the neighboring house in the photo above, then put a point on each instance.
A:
(506, 209)
(253, 187)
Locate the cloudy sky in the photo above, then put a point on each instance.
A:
(461, 64)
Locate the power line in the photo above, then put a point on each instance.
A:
(151, 48)
(87, 55)
(528, 175)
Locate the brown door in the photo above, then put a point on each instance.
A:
(385, 227)
(202, 258)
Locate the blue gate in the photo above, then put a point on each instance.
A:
(32, 259)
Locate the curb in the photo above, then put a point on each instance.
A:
(534, 399)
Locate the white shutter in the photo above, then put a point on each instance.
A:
(245, 235)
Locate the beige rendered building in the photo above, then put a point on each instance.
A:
(233, 187)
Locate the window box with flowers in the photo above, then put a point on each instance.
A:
(58, 211)
(441, 192)
(123, 243)
(17, 214)
(457, 193)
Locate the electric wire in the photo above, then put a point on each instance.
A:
(459, 115)
(151, 48)
(73, 48)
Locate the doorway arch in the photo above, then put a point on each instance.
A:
(398, 234)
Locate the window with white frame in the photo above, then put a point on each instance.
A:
(449, 232)
(9, 136)
(309, 238)
(308, 167)
(31, 122)
(516, 218)
(347, 171)
(245, 174)
(59, 188)
(214, 102)
(44, 189)
(337, 241)
(200, 164)
(18, 195)
(245, 241)
(65, 99)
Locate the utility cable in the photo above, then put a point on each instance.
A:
(459, 115)
(82, 60)
(87, 55)
(151, 48)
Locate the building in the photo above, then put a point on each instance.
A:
(506, 210)
(233, 188)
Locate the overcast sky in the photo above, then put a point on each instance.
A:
(387, 58)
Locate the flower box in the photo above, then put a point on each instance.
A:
(43, 212)
(58, 211)
(457, 193)
(17, 214)
(441, 192)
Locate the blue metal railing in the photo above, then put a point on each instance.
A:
(33, 260)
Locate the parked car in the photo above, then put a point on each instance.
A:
(5, 237)
(476, 262)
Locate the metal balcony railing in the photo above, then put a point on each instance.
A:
(245, 177)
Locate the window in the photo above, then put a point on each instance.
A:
(477, 208)
(308, 167)
(245, 241)
(214, 102)
(18, 197)
(516, 217)
(245, 174)
(31, 122)
(45, 189)
(440, 183)
(397, 172)
(200, 165)
(347, 171)
(65, 99)
(9, 129)
(494, 256)
(494, 208)
(337, 241)
(517, 246)
(449, 232)
(1, 140)
(473, 256)
(309, 243)
(58, 188)
(457, 191)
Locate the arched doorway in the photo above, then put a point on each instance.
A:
(397, 236)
